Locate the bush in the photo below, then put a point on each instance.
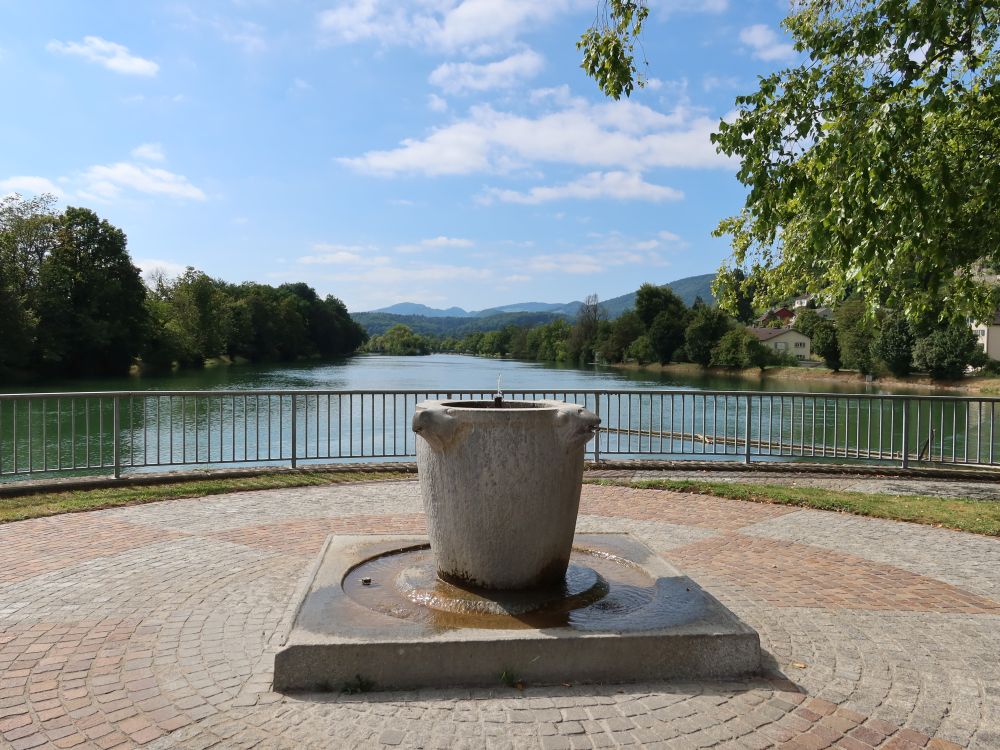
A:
(826, 345)
(707, 327)
(945, 353)
(642, 351)
(739, 349)
(894, 345)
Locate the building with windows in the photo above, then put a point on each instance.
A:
(784, 341)
(988, 336)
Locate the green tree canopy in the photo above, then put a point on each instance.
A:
(946, 353)
(91, 300)
(873, 166)
(708, 325)
(826, 345)
(894, 344)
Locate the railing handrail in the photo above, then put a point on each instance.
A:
(130, 429)
(478, 391)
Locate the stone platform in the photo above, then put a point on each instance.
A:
(155, 626)
(654, 623)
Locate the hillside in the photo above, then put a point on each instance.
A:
(455, 321)
(377, 323)
(688, 289)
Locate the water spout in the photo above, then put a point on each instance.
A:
(498, 397)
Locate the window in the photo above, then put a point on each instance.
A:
(800, 344)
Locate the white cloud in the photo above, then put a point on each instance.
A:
(692, 6)
(248, 36)
(517, 278)
(435, 243)
(107, 181)
(111, 55)
(713, 82)
(350, 255)
(437, 103)
(623, 134)
(765, 44)
(594, 262)
(30, 185)
(300, 86)
(153, 267)
(616, 185)
(456, 78)
(149, 152)
(478, 26)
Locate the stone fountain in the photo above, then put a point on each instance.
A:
(502, 586)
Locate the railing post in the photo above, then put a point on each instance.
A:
(747, 421)
(294, 430)
(597, 432)
(116, 427)
(906, 433)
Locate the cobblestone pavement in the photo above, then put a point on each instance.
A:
(988, 489)
(156, 625)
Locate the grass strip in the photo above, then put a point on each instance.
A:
(961, 514)
(53, 503)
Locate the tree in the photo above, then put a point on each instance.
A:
(584, 336)
(608, 46)
(739, 349)
(873, 165)
(825, 344)
(91, 300)
(27, 231)
(641, 350)
(651, 300)
(624, 331)
(708, 325)
(855, 334)
(400, 340)
(894, 344)
(806, 322)
(666, 335)
(945, 353)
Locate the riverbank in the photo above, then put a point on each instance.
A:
(987, 385)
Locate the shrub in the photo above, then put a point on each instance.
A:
(945, 353)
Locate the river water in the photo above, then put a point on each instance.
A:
(433, 372)
(330, 419)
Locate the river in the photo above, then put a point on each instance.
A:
(76, 434)
(432, 372)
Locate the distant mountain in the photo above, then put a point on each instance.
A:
(455, 321)
(415, 308)
(569, 308)
(377, 323)
(688, 289)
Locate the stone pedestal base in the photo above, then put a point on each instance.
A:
(346, 633)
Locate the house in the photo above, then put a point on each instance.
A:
(988, 336)
(802, 301)
(783, 314)
(784, 341)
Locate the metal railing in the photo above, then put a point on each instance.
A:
(112, 432)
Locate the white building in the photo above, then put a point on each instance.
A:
(988, 336)
(784, 341)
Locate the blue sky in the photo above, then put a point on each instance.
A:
(443, 151)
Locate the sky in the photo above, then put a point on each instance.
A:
(449, 152)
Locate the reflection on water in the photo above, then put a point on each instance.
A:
(376, 372)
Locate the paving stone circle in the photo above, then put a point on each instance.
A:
(156, 625)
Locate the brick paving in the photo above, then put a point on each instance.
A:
(155, 626)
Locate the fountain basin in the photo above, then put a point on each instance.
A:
(501, 488)
(637, 618)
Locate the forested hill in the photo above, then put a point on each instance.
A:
(688, 289)
(434, 322)
(377, 323)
